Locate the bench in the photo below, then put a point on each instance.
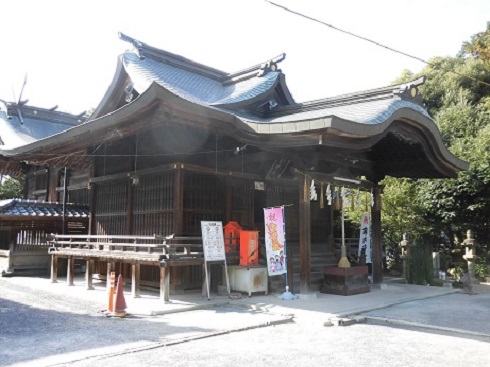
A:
(162, 251)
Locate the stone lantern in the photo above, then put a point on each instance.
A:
(405, 246)
(470, 254)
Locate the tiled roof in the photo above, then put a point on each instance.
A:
(367, 113)
(33, 208)
(21, 124)
(192, 86)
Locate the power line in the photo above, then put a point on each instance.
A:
(434, 65)
(132, 155)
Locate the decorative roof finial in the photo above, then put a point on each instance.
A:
(271, 65)
(137, 45)
(410, 90)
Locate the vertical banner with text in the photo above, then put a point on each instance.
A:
(365, 238)
(275, 240)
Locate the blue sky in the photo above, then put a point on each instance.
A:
(69, 49)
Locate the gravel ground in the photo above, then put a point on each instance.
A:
(41, 330)
(466, 312)
(46, 329)
(300, 345)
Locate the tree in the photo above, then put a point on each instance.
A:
(10, 188)
(460, 106)
(479, 46)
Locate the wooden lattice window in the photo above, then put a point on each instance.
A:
(204, 199)
(153, 205)
(111, 207)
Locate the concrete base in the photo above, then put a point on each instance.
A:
(381, 286)
(307, 296)
(345, 281)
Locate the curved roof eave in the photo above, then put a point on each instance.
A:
(91, 127)
(298, 133)
(112, 90)
(355, 129)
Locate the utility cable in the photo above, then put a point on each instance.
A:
(434, 65)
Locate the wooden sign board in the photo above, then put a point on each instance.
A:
(214, 248)
(213, 241)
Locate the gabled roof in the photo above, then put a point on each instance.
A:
(18, 208)
(21, 124)
(200, 84)
(387, 128)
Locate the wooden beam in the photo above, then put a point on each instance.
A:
(305, 236)
(377, 254)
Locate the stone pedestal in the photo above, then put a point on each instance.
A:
(345, 281)
(470, 256)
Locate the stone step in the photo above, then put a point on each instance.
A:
(277, 283)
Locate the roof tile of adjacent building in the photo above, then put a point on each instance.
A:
(33, 208)
(21, 124)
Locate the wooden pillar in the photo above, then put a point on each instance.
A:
(228, 198)
(54, 269)
(329, 223)
(70, 270)
(178, 218)
(164, 284)
(89, 274)
(377, 250)
(305, 236)
(52, 194)
(290, 268)
(135, 280)
(12, 246)
(129, 212)
(91, 220)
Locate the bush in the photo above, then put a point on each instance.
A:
(420, 263)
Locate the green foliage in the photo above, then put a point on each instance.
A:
(481, 269)
(461, 109)
(479, 46)
(420, 263)
(10, 188)
(402, 212)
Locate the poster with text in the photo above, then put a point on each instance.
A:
(212, 240)
(275, 241)
(365, 238)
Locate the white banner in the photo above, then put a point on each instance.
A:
(275, 241)
(365, 238)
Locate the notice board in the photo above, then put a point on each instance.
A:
(213, 241)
